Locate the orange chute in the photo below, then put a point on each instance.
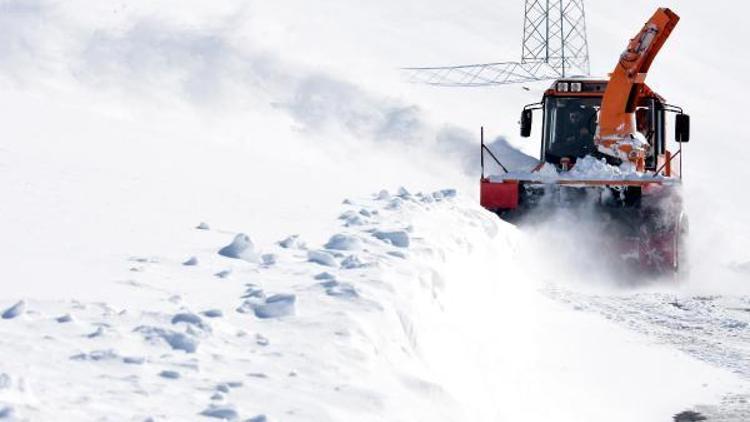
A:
(617, 135)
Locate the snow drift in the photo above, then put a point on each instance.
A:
(423, 329)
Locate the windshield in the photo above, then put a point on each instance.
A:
(569, 127)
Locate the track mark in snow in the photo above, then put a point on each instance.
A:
(708, 328)
(732, 408)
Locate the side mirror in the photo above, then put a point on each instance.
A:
(682, 128)
(526, 118)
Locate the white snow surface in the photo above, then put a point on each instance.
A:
(129, 125)
(434, 334)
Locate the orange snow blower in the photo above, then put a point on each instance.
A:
(617, 126)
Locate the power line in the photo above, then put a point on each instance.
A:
(554, 45)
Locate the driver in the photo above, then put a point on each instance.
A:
(577, 135)
(579, 128)
(642, 122)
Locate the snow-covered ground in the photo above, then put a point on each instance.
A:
(127, 125)
(411, 310)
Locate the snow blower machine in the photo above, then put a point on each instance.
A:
(604, 143)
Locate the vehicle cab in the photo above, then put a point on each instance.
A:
(570, 110)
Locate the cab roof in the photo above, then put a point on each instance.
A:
(590, 87)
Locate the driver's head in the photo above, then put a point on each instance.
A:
(641, 118)
(575, 117)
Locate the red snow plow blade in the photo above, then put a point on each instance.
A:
(641, 221)
(499, 196)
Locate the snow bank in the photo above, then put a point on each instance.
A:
(449, 329)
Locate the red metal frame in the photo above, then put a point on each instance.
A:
(499, 195)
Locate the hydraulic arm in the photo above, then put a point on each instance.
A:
(617, 135)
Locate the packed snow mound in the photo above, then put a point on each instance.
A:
(323, 258)
(292, 242)
(343, 242)
(398, 238)
(276, 306)
(590, 167)
(240, 248)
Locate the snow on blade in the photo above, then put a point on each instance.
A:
(586, 168)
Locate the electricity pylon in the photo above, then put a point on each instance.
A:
(554, 45)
